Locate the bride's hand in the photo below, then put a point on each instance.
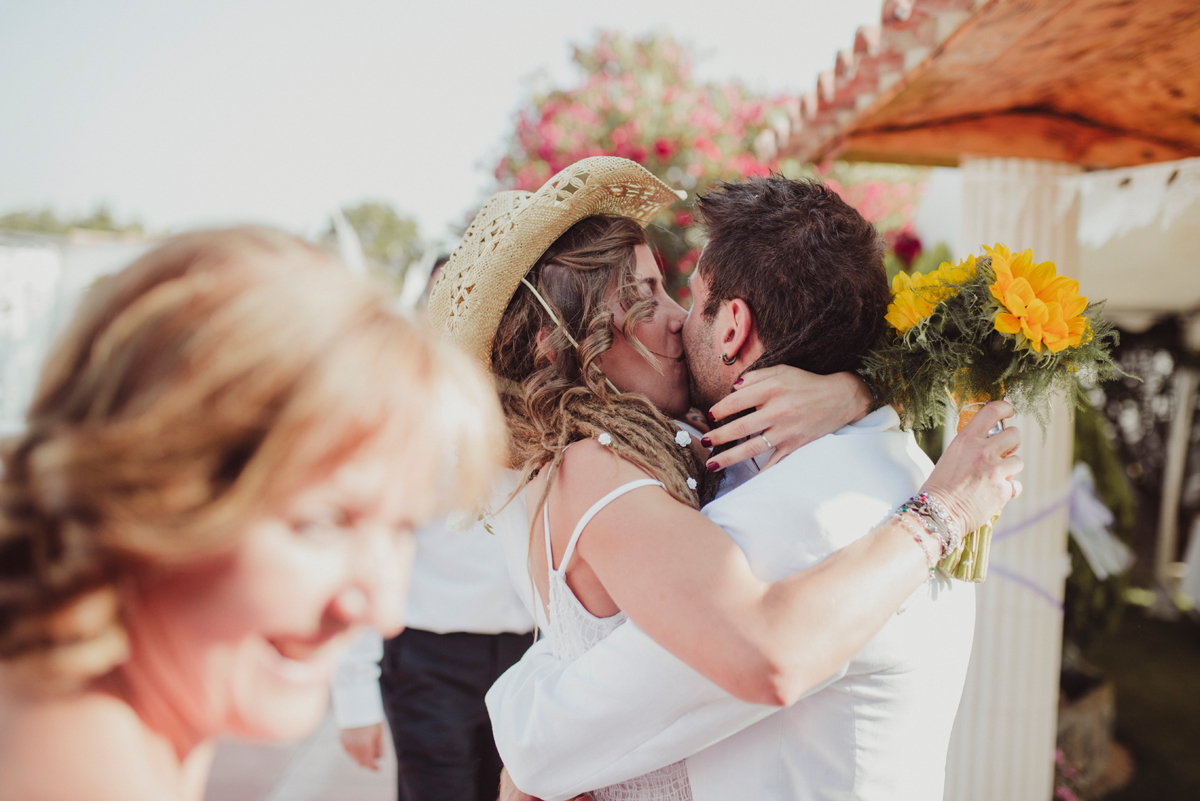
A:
(792, 408)
(974, 477)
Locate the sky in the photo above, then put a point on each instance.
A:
(185, 114)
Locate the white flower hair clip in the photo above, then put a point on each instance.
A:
(683, 439)
(691, 482)
(604, 439)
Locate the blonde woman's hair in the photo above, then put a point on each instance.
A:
(205, 384)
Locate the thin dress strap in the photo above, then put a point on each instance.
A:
(546, 526)
(587, 518)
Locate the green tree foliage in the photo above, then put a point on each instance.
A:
(390, 242)
(47, 221)
(1093, 607)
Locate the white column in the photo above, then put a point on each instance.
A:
(1003, 743)
(1186, 381)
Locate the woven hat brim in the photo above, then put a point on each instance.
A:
(514, 229)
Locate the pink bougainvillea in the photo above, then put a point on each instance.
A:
(637, 99)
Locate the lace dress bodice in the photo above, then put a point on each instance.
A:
(573, 630)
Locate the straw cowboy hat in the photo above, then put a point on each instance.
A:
(514, 229)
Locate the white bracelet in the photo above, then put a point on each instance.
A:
(903, 517)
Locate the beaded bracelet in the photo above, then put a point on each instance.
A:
(934, 515)
(931, 559)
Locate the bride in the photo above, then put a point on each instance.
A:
(559, 294)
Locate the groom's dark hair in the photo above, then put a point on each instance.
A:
(809, 266)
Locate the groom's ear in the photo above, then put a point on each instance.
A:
(738, 336)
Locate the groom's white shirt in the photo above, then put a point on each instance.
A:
(879, 729)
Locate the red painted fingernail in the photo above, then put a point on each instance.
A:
(737, 383)
(706, 442)
(713, 467)
(711, 418)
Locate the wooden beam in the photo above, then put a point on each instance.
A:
(1018, 135)
(894, 157)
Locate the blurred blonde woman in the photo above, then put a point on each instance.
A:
(218, 483)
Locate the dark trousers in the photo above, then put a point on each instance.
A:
(433, 687)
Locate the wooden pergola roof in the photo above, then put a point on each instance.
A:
(1102, 83)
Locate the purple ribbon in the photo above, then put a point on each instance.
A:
(1028, 584)
(1009, 531)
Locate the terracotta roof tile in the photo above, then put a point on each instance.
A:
(881, 55)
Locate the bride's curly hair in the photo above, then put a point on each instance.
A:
(203, 385)
(554, 393)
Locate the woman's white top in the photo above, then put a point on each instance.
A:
(572, 630)
(460, 583)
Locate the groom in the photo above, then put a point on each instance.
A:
(790, 275)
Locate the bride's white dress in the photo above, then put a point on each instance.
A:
(573, 630)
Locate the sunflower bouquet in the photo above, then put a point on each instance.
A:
(1000, 326)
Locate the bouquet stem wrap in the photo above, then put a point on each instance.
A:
(970, 561)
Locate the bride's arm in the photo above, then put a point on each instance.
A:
(624, 708)
(791, 407)
(627, 706)
(685, 582)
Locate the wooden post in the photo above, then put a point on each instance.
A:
(1003, 744)
(1178, 435)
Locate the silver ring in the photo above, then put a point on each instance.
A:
(764, 437)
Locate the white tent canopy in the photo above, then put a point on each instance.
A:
(1139, 235)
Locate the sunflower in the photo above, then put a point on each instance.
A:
(915, 296)
(1036, 306)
